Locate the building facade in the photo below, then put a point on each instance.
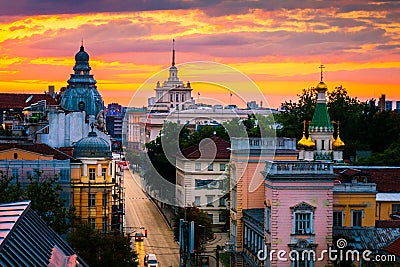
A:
(202, 179)
(91, 181)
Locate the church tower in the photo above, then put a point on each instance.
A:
(321, 129)
(172, 93)
(321, 143)
(81, 93)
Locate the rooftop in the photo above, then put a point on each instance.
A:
(386, 178)
(368, 238)
(20, 101)
(26, 240)
(210, 148)
(43, 149)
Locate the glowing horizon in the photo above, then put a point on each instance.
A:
(279, 47)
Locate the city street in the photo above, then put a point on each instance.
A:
(140, 211)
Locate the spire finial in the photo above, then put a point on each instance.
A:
(173, 52)
(321, 67)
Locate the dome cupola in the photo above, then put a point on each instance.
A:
(81, 55)
(92, 147)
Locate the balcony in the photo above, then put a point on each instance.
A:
(355, 188)
(298, 167)
(268, 143)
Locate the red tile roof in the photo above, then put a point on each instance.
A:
(394, 248)
(18, 101)
(37, 148)
(210, 148)
(387, 179)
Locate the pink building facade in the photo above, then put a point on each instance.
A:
(298, 212)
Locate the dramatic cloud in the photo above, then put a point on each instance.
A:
(272, 41)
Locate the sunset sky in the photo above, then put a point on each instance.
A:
(278, 44)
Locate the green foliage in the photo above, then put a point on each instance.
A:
(362, 126)
(9, 192)
(98, 249)
(294, 114)
(44, 194)
(389, 157)
(199, 217)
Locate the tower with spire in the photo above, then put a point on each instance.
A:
(172, 93)
(81, 93)
(321, 144)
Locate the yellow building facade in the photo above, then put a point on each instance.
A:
(92, 183)
(387, 206)
(354, 200)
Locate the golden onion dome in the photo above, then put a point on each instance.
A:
(302, 141)
(321, 86)
(309, 143)
(338, 143)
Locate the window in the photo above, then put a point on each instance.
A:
(234, 196)
(92, 222)
(222, 202)
(92, 200)
(267, 218)
(105, 225)
(302, 223)
(210, 167)
(177, 97)
(92, 174)
(105, 200)
(222, 167)
(301, 262)
(171, 98)
(338, 218)
(104, 173)
(221, 217)
(15, 173)
(197, 201)
(183, 98)
(211, 216)
(302, 219)
(356, 218)
(15, 155)
(322, 144)
(208, 184)
(395, 208)
(210, 200)
(197, 166)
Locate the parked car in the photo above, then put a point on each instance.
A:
(139, 237)
(150, 260)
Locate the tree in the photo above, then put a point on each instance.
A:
(362, 126)
(199, 217)
(98, 249)
(44, 194)
(9, 192)
(389, 157)
(291, 119)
